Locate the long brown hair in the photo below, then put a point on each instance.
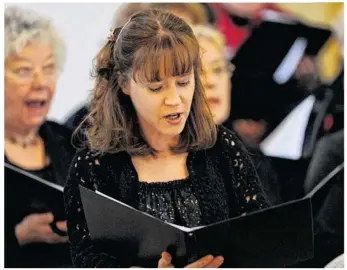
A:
(152, 44)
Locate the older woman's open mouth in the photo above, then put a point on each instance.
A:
(36, 106)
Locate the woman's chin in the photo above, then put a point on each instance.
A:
(34, 122)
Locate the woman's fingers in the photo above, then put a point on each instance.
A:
(61, 225)
(201, 263)
(165, 261)
(206, 262)
(217, 262)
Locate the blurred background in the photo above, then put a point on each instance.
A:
(84, 38)
(273, 73)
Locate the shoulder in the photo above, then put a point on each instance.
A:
(82, 168)
(58, 129)
(229, 150)
(96, 166)
(58, 139)
(86, 160)
(77, 117)
(56, 133)
(98, 172)
(227, 139)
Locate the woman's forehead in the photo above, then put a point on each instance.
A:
(163, 78)
(32, 52)
(170, 63)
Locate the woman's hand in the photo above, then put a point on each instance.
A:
(206, 262)
(165, 261)
(36, 228)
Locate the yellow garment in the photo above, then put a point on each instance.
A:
(323, 14)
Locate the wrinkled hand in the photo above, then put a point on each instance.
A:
(36, 228)
(206, 262)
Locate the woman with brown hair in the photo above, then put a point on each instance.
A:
(152, 141)
(193, 13)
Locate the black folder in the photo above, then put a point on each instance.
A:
(265, 65)
(270, 41)
(28, 193)
(321, 190)
(275, 237)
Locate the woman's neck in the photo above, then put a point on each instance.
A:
(162, 144)
(21, 137)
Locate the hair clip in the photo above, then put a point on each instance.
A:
(111, 35)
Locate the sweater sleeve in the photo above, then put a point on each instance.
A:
(84, 253)
(246, 185)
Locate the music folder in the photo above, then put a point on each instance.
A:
(28, 193)
(276, 45)
(278, 236)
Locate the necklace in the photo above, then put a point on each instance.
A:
(23, 144)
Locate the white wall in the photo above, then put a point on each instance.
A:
(85, 27)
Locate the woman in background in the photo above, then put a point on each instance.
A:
(34, 57)
(217, 84)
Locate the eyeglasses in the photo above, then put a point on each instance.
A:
(26, 75)
(219, 69)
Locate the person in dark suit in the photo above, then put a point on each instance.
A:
(34, 56)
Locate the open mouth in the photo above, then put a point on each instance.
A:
(35, 103)
(173, 116)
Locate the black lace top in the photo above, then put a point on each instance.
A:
(222, 183)
(172, 202)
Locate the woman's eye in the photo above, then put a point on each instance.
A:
(24, 71)
(183, 83)
(155, 89)
(49, 69)
(218, 70)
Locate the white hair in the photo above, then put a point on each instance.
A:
(213, 35)
(210, 33)
(23, 26)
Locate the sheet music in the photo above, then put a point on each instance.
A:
(39, 179)
(287, 140)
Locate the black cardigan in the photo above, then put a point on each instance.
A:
(57, 140)
(223, 170)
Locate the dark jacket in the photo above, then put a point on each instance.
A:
(222, 178)
(58, 147)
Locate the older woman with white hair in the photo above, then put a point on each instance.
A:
(34, 57)
(217, 85)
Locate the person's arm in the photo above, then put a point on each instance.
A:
(249, 193)
(83, 251)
